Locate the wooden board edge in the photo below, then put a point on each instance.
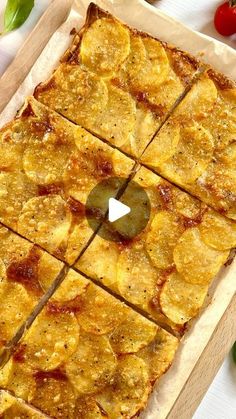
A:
(207, 366)
(52, 18)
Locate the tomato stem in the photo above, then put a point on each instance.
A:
(232, 3)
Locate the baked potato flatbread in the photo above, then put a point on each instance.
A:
(88, 355)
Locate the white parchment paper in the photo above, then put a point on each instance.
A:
(141, 15)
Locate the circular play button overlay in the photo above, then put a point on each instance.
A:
(117, 209)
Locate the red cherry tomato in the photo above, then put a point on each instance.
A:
(225, 18)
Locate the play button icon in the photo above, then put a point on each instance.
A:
(118, 209)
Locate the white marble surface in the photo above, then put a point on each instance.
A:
(196, 14)
(220, 400)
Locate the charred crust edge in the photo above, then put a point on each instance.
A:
(223, 82)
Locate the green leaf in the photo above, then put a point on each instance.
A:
(16, 13)
(234, 352)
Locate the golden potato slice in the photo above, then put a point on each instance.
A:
(13, 248)
(99, 313)
(220, 180)
(87, 408)
(193, 154)
(154, 66)
(129, 391)
(2, 269)
(72, 286)
(225, 133)
(15, 190)
(74, 92)
(159, 354)
(185, 204)
(199, 101)
(145, 127)
(77, 240)
(15, 377)
(22, 411)
(45, 164)
(90, 163)
(92, 365)
(104, 46)
(46, 220)
(116, 130)
(122, 165)
(165, 95)
(15, 306)
(224, 109)
(90, 91)
(218, 187)
(102, 269)
(147, 179)
(217, 231)
(132, 334)
(155, 198)
(5, 373)
(47, 127)
(181, 301)
(10, 408)
(54, 395)
(48, 269)
(163, 146)
(228, 154)
(163, 236)
(229, 96)
(137, 56)
(6, 401)
(136, 277)
(11, 152)
(52, 339)
(195, 261)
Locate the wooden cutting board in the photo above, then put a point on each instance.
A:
(53, 17)
(224, 335)
(208, 364)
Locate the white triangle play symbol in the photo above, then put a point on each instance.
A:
(117, 210)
